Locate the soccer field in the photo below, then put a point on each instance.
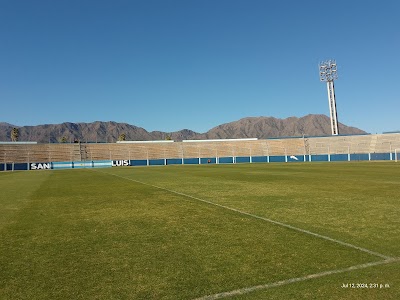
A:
(244, 231)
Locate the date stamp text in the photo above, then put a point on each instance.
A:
(351, 285)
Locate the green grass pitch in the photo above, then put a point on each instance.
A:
(188, 232)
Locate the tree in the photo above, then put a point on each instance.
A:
(168, 137)
(122, 137)
(14, 134)
(63, 139)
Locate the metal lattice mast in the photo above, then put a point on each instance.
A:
(328, 73)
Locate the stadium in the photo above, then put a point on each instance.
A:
(276, 208)
(282, 218)
(310, 217)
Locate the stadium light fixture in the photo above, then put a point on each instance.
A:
(328, 74)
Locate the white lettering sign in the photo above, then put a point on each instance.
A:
(40, 166)
(120, 163)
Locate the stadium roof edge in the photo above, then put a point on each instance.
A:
(389, 132)
(140, 142)
(18, 143)
(220, 140)
(339, 135)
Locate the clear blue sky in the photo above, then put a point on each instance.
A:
(169, 65)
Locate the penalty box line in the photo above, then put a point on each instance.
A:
(259, 218)
(294, 280)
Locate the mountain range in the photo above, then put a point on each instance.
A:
(251, 127)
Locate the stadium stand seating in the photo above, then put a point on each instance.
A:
(376, 143)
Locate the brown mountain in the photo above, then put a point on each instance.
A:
(256, 127)
(266, 127)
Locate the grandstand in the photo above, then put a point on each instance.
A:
(374, 143)
(343, 147)
(26, 152)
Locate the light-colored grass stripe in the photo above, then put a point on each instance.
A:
(293, 280)
(259, 217)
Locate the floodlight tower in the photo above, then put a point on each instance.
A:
(328, 73)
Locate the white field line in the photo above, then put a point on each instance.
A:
(293, 280)
(259, 217)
